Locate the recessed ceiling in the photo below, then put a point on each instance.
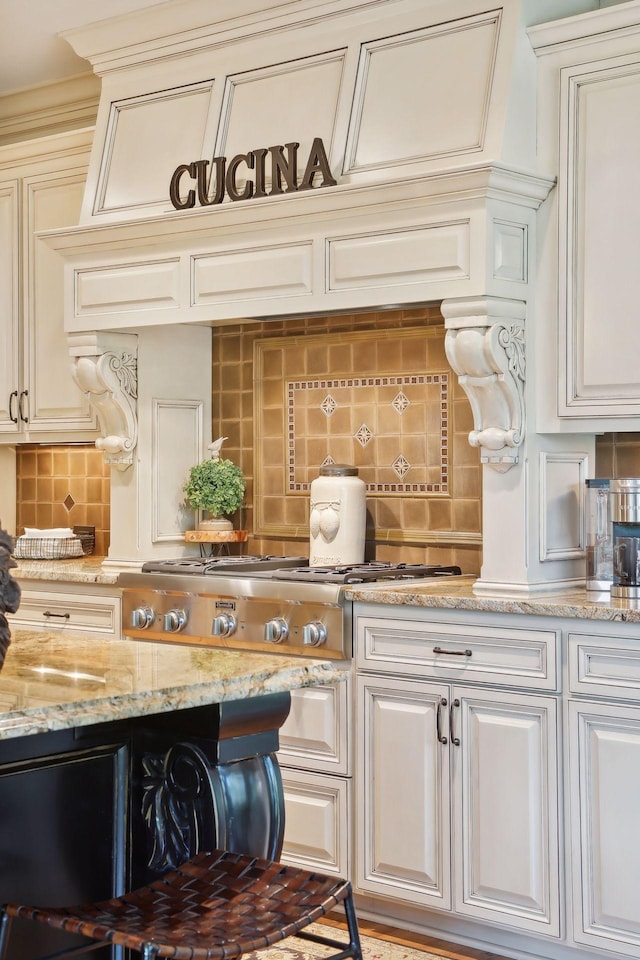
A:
(31, 52)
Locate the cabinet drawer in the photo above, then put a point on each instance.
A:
(487, 653)
(315, 735)
(316, 822)
(604, 666)
(69, 611)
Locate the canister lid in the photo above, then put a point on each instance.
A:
(338, 470)
(626, 485)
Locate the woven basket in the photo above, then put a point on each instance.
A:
(87, 537)
(47, 548)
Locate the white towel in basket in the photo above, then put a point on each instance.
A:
(59, 533)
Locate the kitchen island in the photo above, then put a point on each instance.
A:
(120, 758)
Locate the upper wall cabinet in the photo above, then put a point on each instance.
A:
(589, 279)
(41, 188)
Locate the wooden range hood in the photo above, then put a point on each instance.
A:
(426, 111)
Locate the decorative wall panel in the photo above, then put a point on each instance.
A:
(403, 256)
(253, 115)
(177, 426)
(147, 137)
(266, 271)
(399, 70)
(562, 505)
(135, 286)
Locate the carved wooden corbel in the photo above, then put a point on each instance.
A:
(485, 346)
(105, 367)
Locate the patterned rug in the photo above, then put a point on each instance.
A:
(372, 948)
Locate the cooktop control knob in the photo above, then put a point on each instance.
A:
(276, 630)
(142, 618)
(224, 625)
(314, 634)
(175, 621)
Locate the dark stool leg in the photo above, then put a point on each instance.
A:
(5, 924)
(352, 924)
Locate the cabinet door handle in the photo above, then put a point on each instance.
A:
(442, 702)
(25, 393)
(63, 616)
(453, 653)
(454, 740)
(12, 396)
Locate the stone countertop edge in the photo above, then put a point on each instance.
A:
(79, 570)
(457, 595)
(88, 680)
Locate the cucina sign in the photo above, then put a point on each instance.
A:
(207, 182)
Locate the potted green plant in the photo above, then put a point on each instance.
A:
(215, 486)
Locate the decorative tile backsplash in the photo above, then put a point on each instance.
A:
(63, 486)
(374, 390)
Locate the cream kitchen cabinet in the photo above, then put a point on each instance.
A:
(604, 779)
(91, 608)
(316, 762)
(589, 135)
(41, 188)
(457, 784)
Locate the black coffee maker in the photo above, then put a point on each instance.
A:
(625, 517)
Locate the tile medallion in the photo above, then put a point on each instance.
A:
(389, 427)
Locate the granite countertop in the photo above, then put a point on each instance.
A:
(457, 594)
(53, 680)
(444, 594)
(80, 570)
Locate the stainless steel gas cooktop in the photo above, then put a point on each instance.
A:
(270, 603)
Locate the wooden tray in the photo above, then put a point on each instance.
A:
(215, 536)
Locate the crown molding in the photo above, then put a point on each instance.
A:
(49, 108)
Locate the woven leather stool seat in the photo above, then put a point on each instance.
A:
(216, 905)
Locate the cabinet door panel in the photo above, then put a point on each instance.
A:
(316, 734)
(506, 809)
(598, 289)
(605, 786)
(54, 401)
(316, 835)
(9, 306)
(403, 807)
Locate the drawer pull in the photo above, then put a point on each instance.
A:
(454, 740)
(63, 616)
(453, 653)
(442, 702)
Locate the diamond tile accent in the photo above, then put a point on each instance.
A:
(363, 435)
(400, 402)
(401, 466)
(327, 460)
(69, 501)
(328, 405)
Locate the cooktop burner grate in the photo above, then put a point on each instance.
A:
(367, 572)
(203, 566)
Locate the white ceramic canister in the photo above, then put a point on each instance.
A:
(338, 516)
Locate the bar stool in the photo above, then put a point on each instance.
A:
(216, 906)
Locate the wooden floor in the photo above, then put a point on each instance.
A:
(442, 948)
